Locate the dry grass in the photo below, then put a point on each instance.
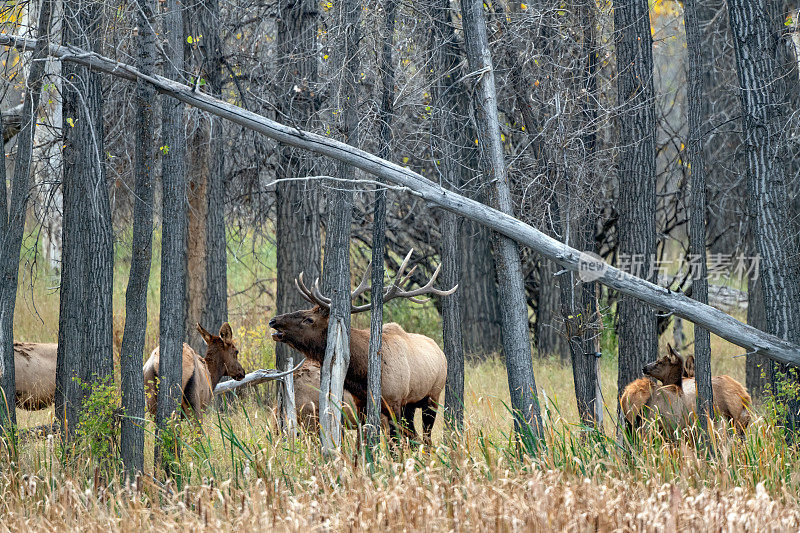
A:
(239, 472)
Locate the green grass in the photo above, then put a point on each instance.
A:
(237, 470)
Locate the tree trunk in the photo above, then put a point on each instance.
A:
(85, 332)
(198, 156)
(372, 429)
(549, 337)
(657, 297)
(173, 241)
(514, 311)
(758, 372)
(638, 336)
(444, 60)
(216, 295)
(480, 310)
(12, 217)
(337, 240)
(757, 42)
(697, 224)
(298, 222)
(132, 438)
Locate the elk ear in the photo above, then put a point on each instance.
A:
(205, 334)
(225, 332)
(688, 366)
(673, 355)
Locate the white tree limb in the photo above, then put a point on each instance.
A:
(679, 304)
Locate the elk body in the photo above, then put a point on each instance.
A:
(200, 375)
(35, 371)
(731, 399)
(413, 369)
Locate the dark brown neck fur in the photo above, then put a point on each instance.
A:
(355, 381)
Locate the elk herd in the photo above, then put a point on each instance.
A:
(413, 371)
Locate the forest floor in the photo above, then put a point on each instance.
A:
(237, 470)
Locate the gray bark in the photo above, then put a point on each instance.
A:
(85, 333)
(549, 337)
(480, 310)
(679, 304)
(12, 217)
(173, 242)
(373, 418)
(444, 60)
(514, 311)
(638, 336)
(133, 337)
(216, 297)
(695, 96)
(337, 240)
(757, 42)
(298, 204)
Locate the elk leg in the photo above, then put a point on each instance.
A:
(408, 421)
(429, 410)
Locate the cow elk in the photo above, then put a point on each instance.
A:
(200, 375)
(413, 368)
(35, 371)
(731, 400)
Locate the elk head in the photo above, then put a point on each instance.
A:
(668, 368)
(222, 356)
(307, 330)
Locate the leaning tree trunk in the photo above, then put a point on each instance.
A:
(297, 202)
(12, 217)
(337, 240)
(444, 59)
(695, 96)
(657, 297)
(756, 32)
(638, 335)
(132, 438)
(514, 308)
(85, 332)
(173, 239)
(372, 428)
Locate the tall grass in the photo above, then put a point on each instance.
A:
(237, 470)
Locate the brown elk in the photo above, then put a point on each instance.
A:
(200, 375)
(413, 369)
(35, 374)
(731, 400)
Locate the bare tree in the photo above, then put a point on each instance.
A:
(85, 335)
(638, 336)
(514, 310)
(12, 216)
(697, 229)
(444, 59)
(297, 229)
(337, 239)
(373, 425)
(216, 295)
(756, 32)
(172, 316)
(132, 351)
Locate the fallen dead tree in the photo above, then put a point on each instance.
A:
(679, 304)
(255, 378)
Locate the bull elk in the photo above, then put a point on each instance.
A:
(413, 368)
(200, 375)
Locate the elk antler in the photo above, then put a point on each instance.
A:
(394, 290)
(315, 296)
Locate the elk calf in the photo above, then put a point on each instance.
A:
(200, 375)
